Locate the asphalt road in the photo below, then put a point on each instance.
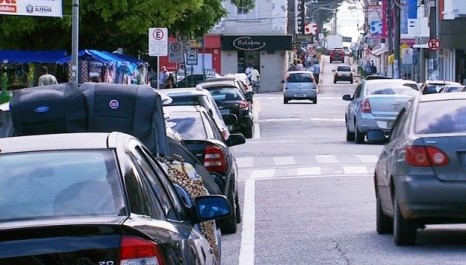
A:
(307, 195)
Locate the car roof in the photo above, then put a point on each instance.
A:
(441, 82)
(217, 83)
(442, 96)
(390, 80)
(300, 72)
(185, 91)
(87, 140)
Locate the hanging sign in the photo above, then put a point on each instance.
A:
(40, 8)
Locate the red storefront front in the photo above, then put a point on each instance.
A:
(209, 54)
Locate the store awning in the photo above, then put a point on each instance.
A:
(379, 51)
(17, 56)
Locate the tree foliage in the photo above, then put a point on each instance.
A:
(323, 11)
(108, 25)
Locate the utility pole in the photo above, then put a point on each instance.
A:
(397, 39)
(75, 42)
(433, 30)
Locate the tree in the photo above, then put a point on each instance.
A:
(108, 25)
(322, 11)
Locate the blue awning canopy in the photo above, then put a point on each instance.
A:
(17, 56)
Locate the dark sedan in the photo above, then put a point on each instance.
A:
(420, 177)
(204, 140)
(230, 99)
(96, 198)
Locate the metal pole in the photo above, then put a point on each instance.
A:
(433, 55)
(75, 42)
(158, 73)
(396, 42)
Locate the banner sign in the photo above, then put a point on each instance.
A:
(40, 8)
(300, 16)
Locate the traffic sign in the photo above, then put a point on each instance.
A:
(434, 44)
(175, 52)
(182, 38)
(158, 42)
(191, 57)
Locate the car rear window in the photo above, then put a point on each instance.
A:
(392, 90)
(59, 183)
(221, 94)
(189, 126)
(344, 69)
(448, 116)
(183, 100)
(300, 78)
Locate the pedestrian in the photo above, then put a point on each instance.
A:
(368, 68)
(170, 82)
(95, 79)
(373, 68)
(46, 79)
(163, 76)
(255, 77)
(299, 65)
(248, 71)
(316, 71)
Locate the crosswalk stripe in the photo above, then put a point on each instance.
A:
(284, 160)
(263, 173)
(327, 159)
(368, 158)
(303, 171)
(355, 170)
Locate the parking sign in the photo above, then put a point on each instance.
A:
(158, 42)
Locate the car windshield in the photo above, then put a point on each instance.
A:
(344, 69)
(299, 78)
(221, 94)
(441, 117)
(189, 126)
(392, 90)
(59, 183)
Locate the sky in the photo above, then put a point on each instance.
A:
(348, 21)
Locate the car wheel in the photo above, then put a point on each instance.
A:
(238, 209)
(314, 100)
(358, 136)
(229, 225)
(334, 81)
(351, 81)
(384, 223)
(349, 135)
(285, 101)
(248, 131)
(404, 230)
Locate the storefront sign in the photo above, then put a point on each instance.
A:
(257, 42)
(50, 8)
(300, 16)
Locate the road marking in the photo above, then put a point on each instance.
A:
(302, 171)
(243, 162)
(257, 130)
(368, 158)
(327, 159)
(255, 112)
(284, 160)
(300, 119)
(246, 253)
(263, 173)
(355, 170)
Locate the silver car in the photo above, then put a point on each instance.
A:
(299, 85)
(375, 105)
(420, 176)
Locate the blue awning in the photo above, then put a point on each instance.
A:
(17, 56)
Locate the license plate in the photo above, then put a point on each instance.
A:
(300, 95)
(225, 111)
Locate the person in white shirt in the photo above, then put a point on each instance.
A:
(47, 79)
(248, 71)
(255, 77)
(299, 66)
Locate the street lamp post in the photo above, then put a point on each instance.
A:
(75, 42)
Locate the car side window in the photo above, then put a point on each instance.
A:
(357, 92)
(158, 188)
(215, 131)
(399, 124)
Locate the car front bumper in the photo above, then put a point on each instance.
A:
(426, 197)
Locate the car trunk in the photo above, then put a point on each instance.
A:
(386, 107)
(455, 149)
(60, 243)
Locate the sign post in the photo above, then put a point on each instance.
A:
(158, 46)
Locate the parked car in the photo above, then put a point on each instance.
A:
(375, 104)
(203, 139)
(337, 55)
(452, 88)
(419, 176)
(98, 197)
(199, 96)
(239, 80)
(230, 99)
(299, 85)
(371, 77)
(434, 86)
(343, 72)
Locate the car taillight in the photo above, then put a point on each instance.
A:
(366, 106)
(243, 104)
(138, 251)
(214, 159)
(425, 156)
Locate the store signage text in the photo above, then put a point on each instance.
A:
(248, 44)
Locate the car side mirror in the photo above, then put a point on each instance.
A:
(347, 97)
(236, 139)
(229, 119)
(377, 136)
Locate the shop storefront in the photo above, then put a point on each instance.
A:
(266, 53)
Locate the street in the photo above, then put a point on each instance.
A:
(307, 194)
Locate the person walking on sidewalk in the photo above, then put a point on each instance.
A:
(316, 71)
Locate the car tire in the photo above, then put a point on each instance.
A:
(351, 81)
(248, 132)
(349, 135)
(384, 223)
(358, 136)
(314, 100)
(404, 231)
(285, 101)
(239, 217)
(228, 225)
(334, 81)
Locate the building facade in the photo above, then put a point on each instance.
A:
(256, 37)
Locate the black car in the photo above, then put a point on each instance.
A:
(97, 198)
(230, 99)
(202, 137)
